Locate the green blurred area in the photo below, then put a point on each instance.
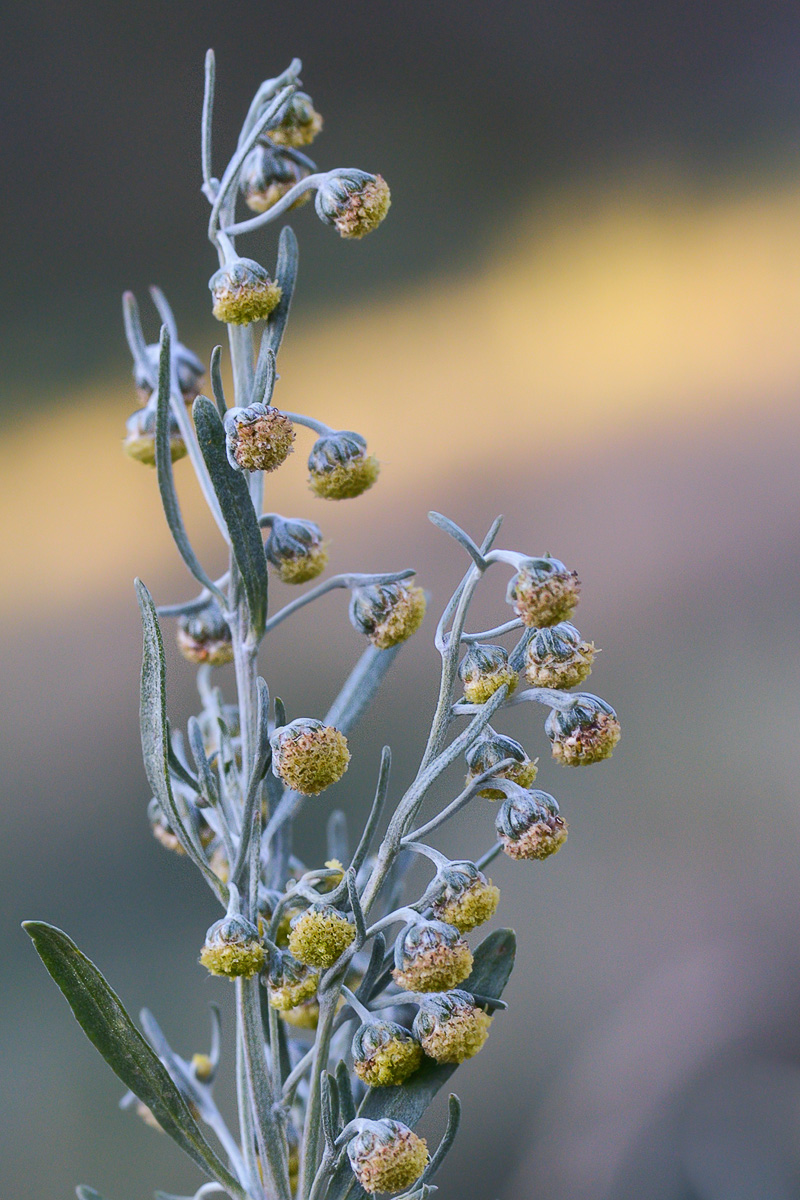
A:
(651, 1047)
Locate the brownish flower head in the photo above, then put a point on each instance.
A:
(258, 438)
(387, 613)
(490, 750)
(558, 658)
(450, 1026)
(266, 177)
(543, 592)
(587, 732)
(431, 957)
(467, 898)
(300, 125)
(354, 203)
(205, 637)
(529, 826)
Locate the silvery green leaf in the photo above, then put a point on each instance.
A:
(86, 1193)
(108, 1027)
(443, 1149)
(237, 509)
(216, 380)
(155, 735)
(494, 961)
(166, 483)
(286, 276)
(347, 1106)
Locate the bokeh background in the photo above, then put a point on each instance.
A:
(583, 312)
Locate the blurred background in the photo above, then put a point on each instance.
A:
(582, 312)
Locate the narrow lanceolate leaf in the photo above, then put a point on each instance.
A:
(166, 483)
(155, 735)
(238, 513)
(494, 960)
(108, 1027)
(86, 1193)
(286, 276)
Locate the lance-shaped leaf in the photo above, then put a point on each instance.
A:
(237, 509)
(166, 483)
(155, 735)
(494, 961)
(105, 1022)
(286, 276)
(86, 1193)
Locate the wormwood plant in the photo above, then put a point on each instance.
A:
(352, 1007)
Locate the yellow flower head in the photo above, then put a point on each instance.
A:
(543, 592)
(309, 756)
(387, 1156)
(387, 613)
(450, 1027)
(431, 957)
(243, 292)
(320, 935)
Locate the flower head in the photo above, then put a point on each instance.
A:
(205, 637)
(543, 591)
(297, 550)
(339, 467)
(189, 367)
(385, 1054)
(300, 124)
(354, 203)
(529, 826)
(556, 657)
(258, 438)
(450, 1026)
(320, 935)
(431, 957)
(243, 292)
(483, 670)
(586, 732)
(140, 437)
(232, 948)
(267, 175)
(387, 1156)
(290, 983)
(489, 751)
(387, 613)
(309, 756)
(467, 898)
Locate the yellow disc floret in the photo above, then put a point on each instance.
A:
(320, 935)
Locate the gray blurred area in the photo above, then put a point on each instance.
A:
(652, 1044)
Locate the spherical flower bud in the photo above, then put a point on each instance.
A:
(309, 756)
(140, 437)
(385, 1054)
(267, 176)
(492, 748)
(586, 732)
(467, 898)
(300, 124)
(305, 1016)
(290, 983)
(203, 1068)
(387, 613)
(205, 637)
(297, 550)
(339, 466)
(450, 1027)
(529, 826)
(320, 935)
(189, 367)
(258, 438)
(543, 591)
(483, 670)
(232, 948)
(387, 1156)
(243, 292)
(557, 658)
(430, 957)
(355, 203)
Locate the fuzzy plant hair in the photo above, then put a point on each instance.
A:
(355, 998)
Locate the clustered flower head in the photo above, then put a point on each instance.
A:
(543, 591)
(529, 826)
(297, 550)
(483, 670)
(300, 123)
(267, 175)
(320, 935)
(489, 751)
(205, 637)
(466, 898)
(354, 203)
(557, 657)
(450, 1027)
(188, 367)
(258, 438)
(339, 467)
(387, 1156)
(431, 956)
(385, 1054)
(587, 732)
(243, 292)
(309, 756)
(290, 982)
(387, 613)
(232, 948)
(140, 437)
